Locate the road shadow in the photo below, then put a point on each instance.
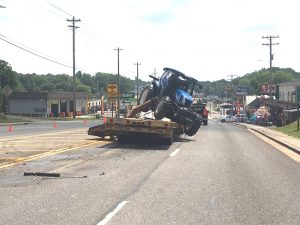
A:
(141, 143)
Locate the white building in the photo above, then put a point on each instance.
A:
(288, 91)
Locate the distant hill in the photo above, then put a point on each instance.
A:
(224, 88)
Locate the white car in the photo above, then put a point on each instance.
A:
(227, 118)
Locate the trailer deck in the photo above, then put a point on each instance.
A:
(136, 128)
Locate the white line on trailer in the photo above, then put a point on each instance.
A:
(111, 214)
(175, 152)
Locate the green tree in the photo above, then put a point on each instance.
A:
(7, 77)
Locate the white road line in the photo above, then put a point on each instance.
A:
(175, 152)
(111, 214)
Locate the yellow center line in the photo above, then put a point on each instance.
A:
(53, 152)
(13, 147)
(40, 135)
(25, 150)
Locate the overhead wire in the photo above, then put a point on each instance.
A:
(58, 8)
(67, 14)
(84, 28)
(39, 54)
(33, 53)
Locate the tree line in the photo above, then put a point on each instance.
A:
(96, 84)
(252, 81)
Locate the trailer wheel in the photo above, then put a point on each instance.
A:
(193, 127)
(170, 141)
(111, 137)
(122, 138)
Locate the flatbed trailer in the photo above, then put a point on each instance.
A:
(137, 130)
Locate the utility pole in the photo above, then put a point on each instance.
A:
(118, 49)
(73, 21)
(270, 44)
(137, 82)
(231, 78)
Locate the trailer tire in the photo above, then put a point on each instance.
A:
(193, 128)
(122, 138)
(170, 141)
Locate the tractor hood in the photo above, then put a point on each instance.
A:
(183, 98)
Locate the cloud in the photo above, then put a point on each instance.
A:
(208, 39)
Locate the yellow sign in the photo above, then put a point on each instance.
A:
(112, 90)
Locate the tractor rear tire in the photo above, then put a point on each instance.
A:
(145, 96)
(161, 110)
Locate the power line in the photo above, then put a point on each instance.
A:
(50, 60)
(60, 9)
(25, 46)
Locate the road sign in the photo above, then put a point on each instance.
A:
(7, 91)
(112, 90)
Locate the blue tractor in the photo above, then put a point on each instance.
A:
(174, 91)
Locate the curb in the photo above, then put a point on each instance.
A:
(272, 138)
(279, 142)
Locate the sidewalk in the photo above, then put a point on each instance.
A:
(289, 142)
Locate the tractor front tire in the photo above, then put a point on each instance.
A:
(193, 127)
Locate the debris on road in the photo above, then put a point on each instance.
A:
(42, 174)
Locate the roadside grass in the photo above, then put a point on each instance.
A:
(6, 119)
(290, 129)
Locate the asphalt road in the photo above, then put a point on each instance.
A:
(223, 175)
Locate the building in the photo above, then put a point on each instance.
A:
(286, 101)
(287, 91)
(46, 104)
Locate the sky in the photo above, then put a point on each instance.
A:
(208, 40)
